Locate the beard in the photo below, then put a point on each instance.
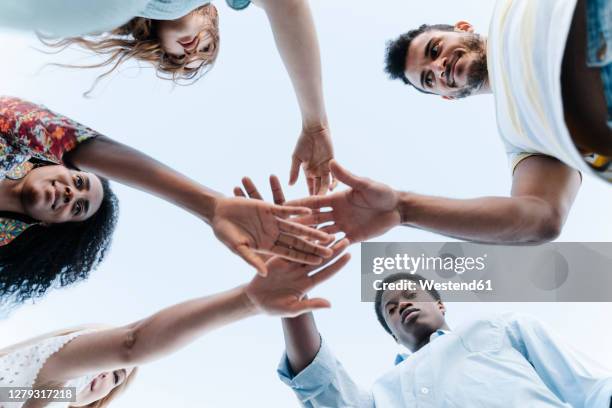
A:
(478, 72)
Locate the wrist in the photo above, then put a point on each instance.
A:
(208, 205)
(405, 207)
(316, 126)
(246, 302)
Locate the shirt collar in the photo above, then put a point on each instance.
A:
(401, 357)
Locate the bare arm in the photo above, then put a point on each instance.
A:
(302, 341)
(148, 339)
(116, 161)
(282, 293)
(543, 192)
(296, 40)
(243, 226)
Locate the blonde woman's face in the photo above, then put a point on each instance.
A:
(186, 36)
(101, 386)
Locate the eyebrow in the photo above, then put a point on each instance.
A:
(87, 183)
(428, 47)
(86, 205)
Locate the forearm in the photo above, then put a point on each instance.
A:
(302, 341)
(296, 39)
(176, 326)
(121, 163)
(513, 220)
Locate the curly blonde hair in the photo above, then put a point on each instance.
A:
(138, 39)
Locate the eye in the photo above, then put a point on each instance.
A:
(206, 49)
(116, 376)
(79, 182)
(78, 208)
(429, 80)
(435, 51)
(391, 309)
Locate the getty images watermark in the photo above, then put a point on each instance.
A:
(466, 272)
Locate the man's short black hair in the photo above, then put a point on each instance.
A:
(397, 50)
(394, 278)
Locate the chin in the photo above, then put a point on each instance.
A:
(31, 199)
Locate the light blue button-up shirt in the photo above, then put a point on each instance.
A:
(505, 361)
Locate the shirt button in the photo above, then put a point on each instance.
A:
(425, 390)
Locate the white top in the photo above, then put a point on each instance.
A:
(526, 44)
(21, 367)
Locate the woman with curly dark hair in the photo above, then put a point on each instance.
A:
(56, 220)
(48, 253)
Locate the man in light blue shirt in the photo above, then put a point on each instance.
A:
(504, 361)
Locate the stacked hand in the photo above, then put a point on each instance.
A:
(252, 227)
(283, 291)
(313, 152)
(366, 210)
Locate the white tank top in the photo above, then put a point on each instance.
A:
(21, 367)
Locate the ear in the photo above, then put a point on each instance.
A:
(464, 26)
(449, 98)
(441, 307)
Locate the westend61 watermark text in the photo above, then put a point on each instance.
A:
(468, 272)
(428, 285)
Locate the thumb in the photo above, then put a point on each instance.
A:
(253, 259)
(309, 305)
(294, 173)
(345, 176)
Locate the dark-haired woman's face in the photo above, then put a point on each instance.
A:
(56, 194)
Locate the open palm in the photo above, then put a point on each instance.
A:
(366, 210)
(283, 291)
(313, 152)
(249, 227)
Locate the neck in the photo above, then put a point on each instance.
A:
(419, 345)
(10, 196)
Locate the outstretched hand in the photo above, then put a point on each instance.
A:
(313, 153)
(366, 210)
(283, 291)
(249, 227)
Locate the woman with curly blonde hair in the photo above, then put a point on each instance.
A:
(180, 39)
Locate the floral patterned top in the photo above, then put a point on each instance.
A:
(29, 131)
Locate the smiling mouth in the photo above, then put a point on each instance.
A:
(450, 74)
(190, 45)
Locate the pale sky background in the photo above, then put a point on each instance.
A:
(242, 119)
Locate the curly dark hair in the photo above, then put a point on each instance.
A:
(394, 278)
(57, 255)
(397, 51)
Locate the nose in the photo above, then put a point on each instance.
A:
(440, 67)
(404, 305)
(68, 194)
